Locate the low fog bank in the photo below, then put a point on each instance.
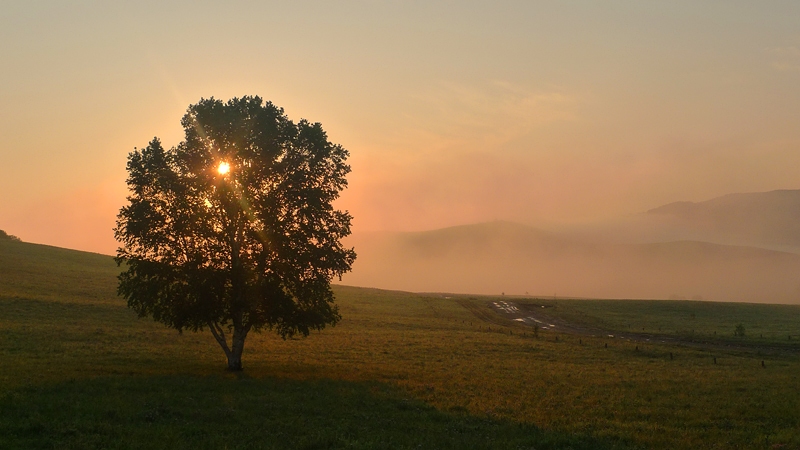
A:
(497, 257)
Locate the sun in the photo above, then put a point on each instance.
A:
(223, 168)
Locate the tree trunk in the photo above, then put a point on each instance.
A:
(237, 348)
(238, 287)
(234, 351)
(235, 360)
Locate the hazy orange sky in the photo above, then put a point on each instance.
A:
(454, 112)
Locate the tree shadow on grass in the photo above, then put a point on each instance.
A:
(216, 412)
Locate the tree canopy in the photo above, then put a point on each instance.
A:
(234, 228)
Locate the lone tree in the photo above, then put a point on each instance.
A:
(234, 229)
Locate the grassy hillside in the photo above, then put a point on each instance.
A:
(400, 371)
(51, 273)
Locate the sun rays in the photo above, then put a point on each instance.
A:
(223, 168)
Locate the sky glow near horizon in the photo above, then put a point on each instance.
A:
(453, 112)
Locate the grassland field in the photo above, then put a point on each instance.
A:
(401, 370)
(764, 324)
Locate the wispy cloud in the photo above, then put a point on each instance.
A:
(488, 114)
(785, 59)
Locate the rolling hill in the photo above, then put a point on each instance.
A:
(71, 275)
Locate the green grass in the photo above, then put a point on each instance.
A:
(764, 324)
(400, 370)
(214, 412)
(56, 274)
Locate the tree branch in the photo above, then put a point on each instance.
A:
(219, 335)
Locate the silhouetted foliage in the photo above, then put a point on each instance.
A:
(249, 249)
(7, 237)
(739, 330)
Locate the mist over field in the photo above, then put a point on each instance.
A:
(734, 248)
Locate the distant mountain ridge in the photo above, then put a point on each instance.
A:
(769, 219)
(754, 201)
